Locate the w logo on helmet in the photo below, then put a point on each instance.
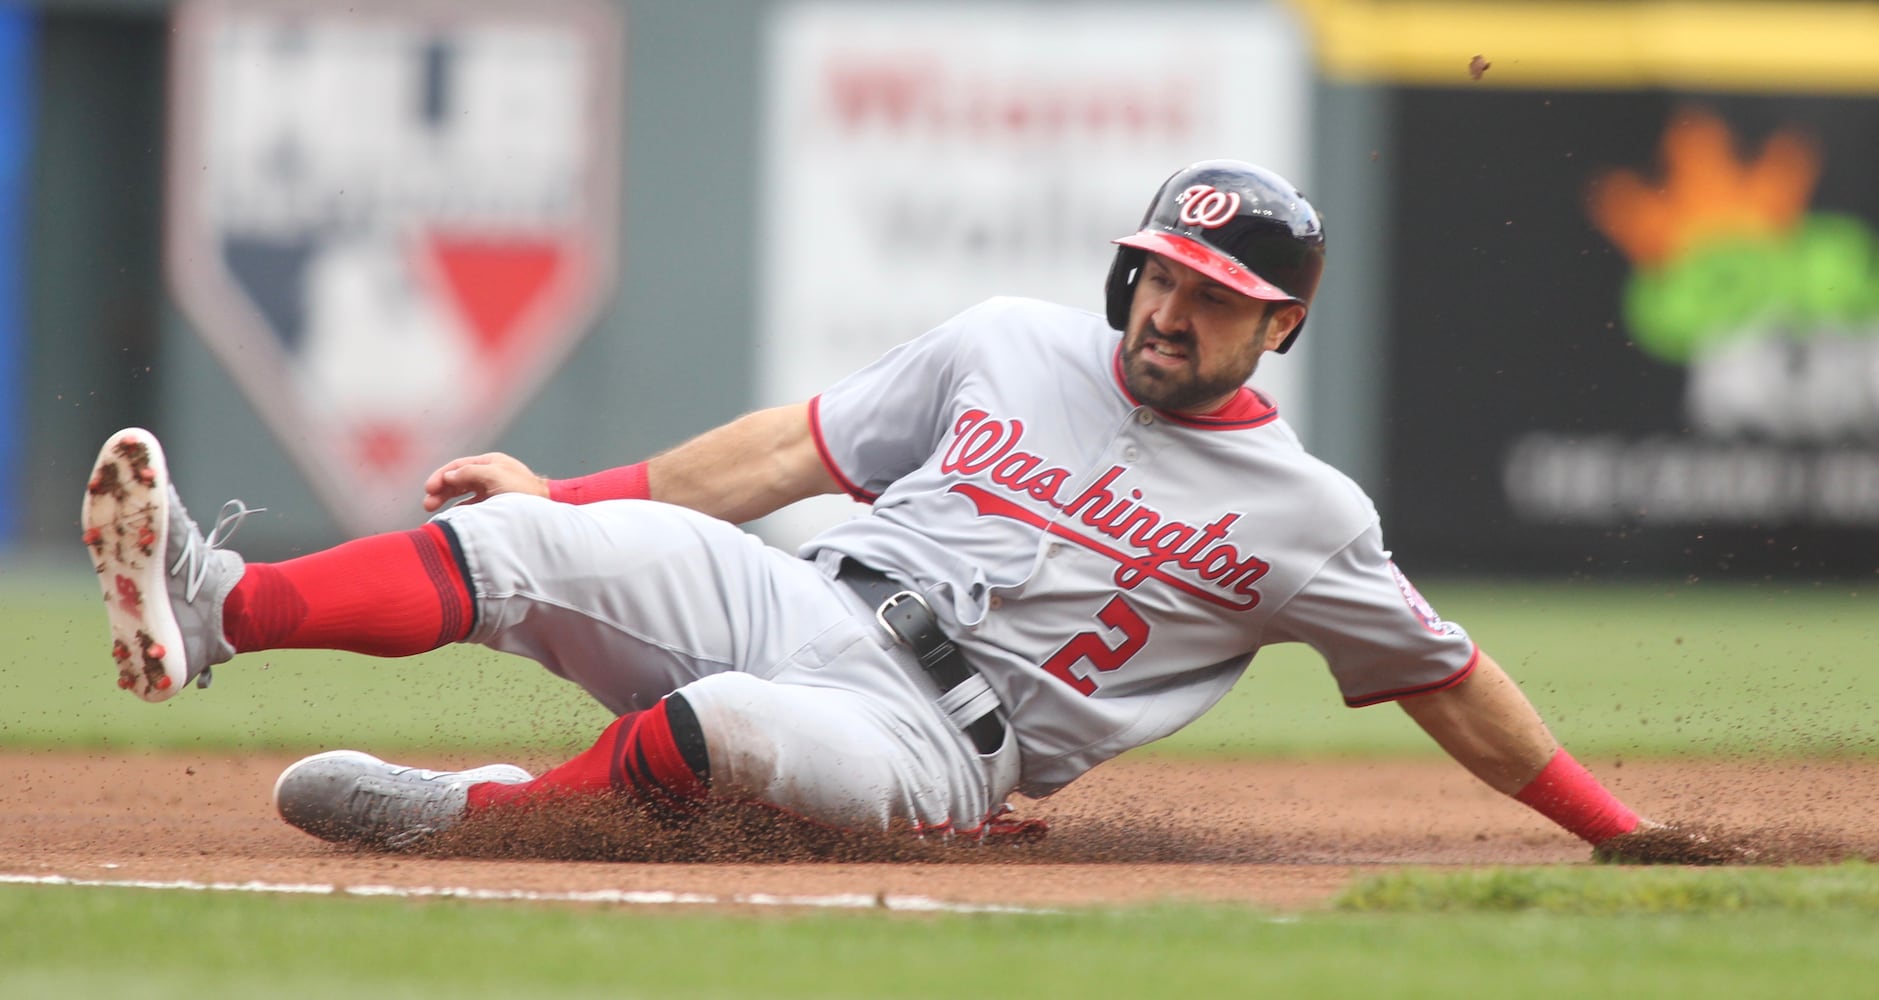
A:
(1208, 207)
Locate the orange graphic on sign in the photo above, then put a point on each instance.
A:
(1707, 195)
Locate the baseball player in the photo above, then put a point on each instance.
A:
(1075, 544)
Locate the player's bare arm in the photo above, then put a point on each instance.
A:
(1488, 726)
(752, 466)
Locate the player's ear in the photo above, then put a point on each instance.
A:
(1281, 319)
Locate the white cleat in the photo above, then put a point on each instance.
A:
(164, 583)
(349, 797)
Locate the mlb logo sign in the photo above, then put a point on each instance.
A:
(392, 221)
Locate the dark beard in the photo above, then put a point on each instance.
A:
(1180, 394)
(1187, 393)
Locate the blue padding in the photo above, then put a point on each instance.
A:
(18, 39)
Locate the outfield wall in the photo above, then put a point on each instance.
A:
(1460, 364)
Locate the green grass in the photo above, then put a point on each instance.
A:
(130, 944)
(1609, 891)
(61, 688)
(1618, 670)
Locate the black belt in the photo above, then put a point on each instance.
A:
(907, 617)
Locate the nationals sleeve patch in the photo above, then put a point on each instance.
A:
(1420, 605)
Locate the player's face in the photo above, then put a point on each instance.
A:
(1193, 342)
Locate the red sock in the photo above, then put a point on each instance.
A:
(1566, 793)
(387, 595)
(636, 756)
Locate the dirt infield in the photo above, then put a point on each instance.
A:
(1276, 834)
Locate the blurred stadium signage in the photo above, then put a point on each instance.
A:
(391, 221)
(921, 157)
(1773, 310)
(1633, 290)
(1647, 337)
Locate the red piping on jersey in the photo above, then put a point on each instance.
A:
(1442, 685)
(828, 461)
(1248, 408)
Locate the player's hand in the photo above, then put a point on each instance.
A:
(480, 477)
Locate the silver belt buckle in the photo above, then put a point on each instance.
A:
(894, 601)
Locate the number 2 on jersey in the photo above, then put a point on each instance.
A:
(1091, 646)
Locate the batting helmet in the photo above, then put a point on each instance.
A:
(1241, 225)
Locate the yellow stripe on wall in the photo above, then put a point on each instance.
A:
(1767, 46)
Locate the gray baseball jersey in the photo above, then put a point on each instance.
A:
(1110, 568)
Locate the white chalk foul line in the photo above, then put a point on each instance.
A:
(837, 901)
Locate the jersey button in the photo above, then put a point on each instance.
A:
(1130, 454)
(996, 602)
(1053, 551)
(1145, 417)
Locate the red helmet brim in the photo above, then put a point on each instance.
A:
(1208, 261)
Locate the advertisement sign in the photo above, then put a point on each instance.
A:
(1637, 333)
(392, 222)
(921, 158)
